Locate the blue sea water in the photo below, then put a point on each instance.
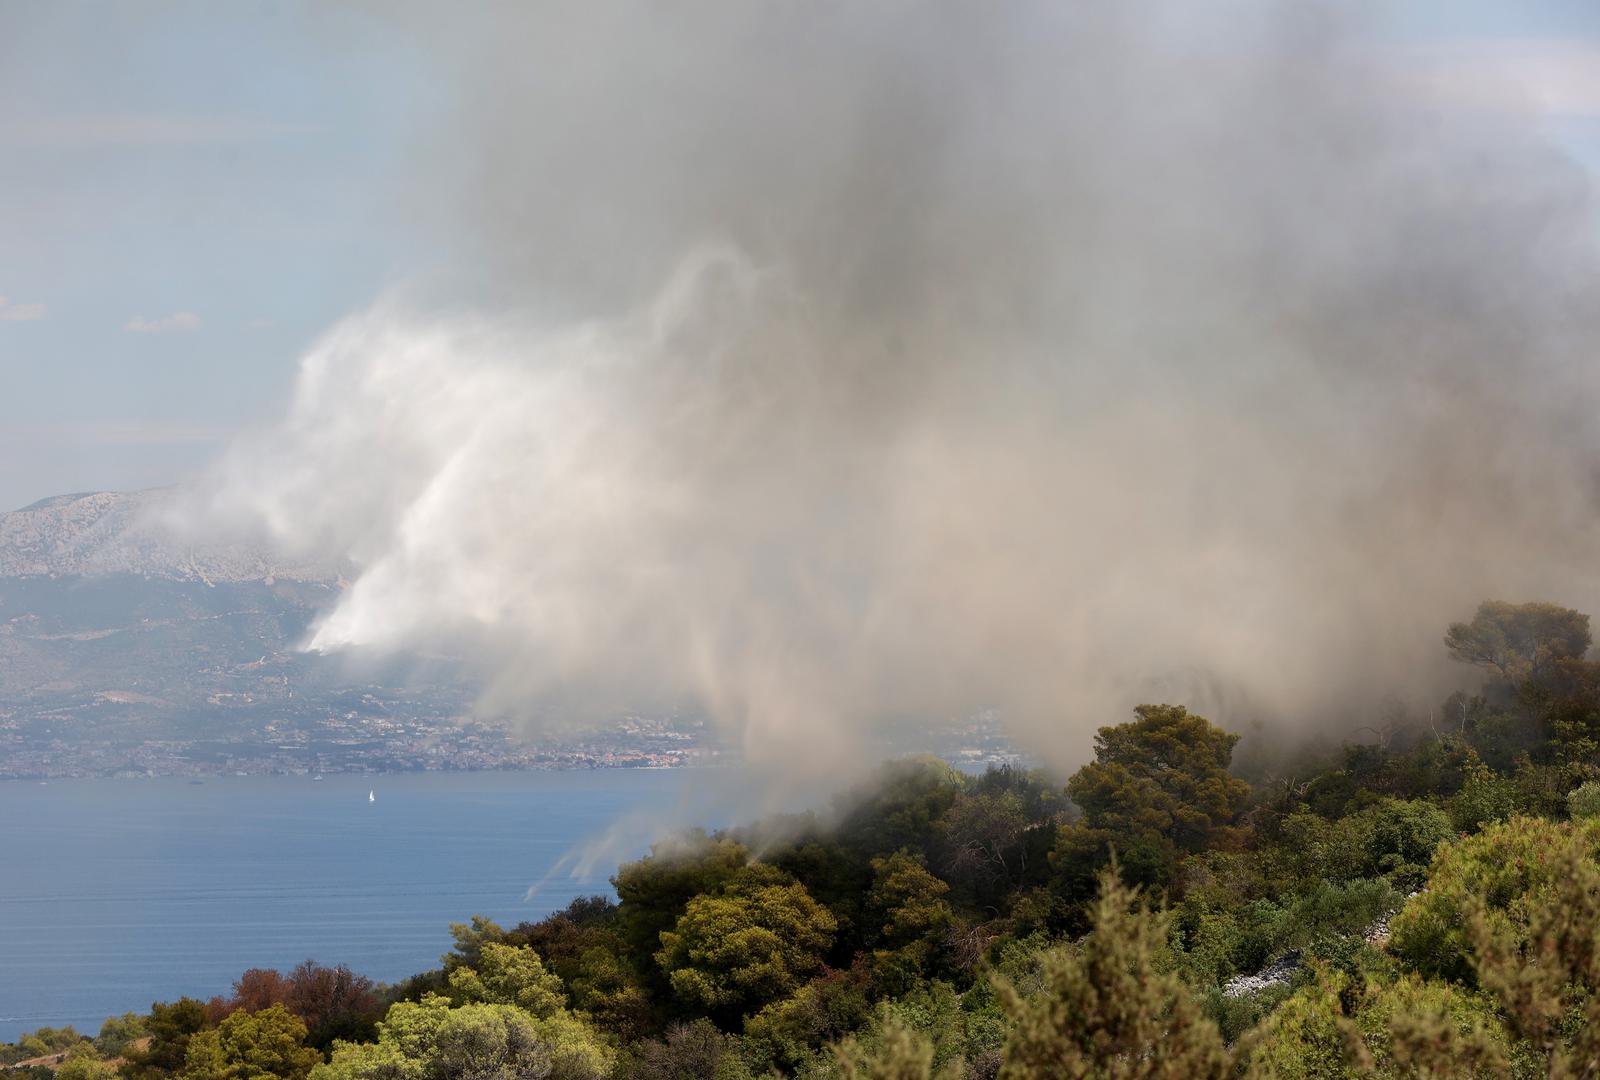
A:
(117, 893)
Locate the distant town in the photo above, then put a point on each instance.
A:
(380, 733)
(376, 734)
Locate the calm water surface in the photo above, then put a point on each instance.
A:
(116, 893)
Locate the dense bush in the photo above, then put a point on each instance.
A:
(1584, 801)
(433, 1039)
(1507, 869)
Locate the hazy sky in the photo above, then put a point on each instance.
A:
(193, 192)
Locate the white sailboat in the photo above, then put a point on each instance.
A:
(372, 797)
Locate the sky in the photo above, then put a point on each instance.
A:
(193, 193)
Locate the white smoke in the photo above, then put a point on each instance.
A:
(1056, 359)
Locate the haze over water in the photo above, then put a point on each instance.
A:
(118, 893)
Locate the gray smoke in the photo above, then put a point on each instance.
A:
(828, 363)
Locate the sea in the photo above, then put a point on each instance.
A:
(118, 893)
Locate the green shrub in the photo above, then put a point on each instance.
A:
(1583, 801)
(1508, 867)
(1213, 946)
(1344, 910)
(117, 1032)
(1307, 1037)
(789, 1032)
(1399, 838)
(1392, 838)
(1483, 798)
(1238, 1014)
(1416, 1028)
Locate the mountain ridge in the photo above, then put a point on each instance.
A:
(91, 534)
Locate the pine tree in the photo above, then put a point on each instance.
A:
(1110, 1009)
(902, 1054)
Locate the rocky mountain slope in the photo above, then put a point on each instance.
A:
(125, 646)
(115, 532)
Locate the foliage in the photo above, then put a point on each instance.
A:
(509, 975)
(117, 1032)
(1215, 944)
(171, 1026)
(1567, 703)
(1309, 1036)
(1159, 787)
(1110, 1008)
(39, 1043)
(897, 1054)
(1164, 773)
(252, 1045)
(562, 938)
(1236, 1015)
(584, 948)
(470, 938)
(83, 1062)
(1423, 1028)
(1483, 798)
(687, 1052)
(655, 891)
(1519, 641)
(968, 1027)
(1503, 872)
(1584, 801)
(789, 1032)
(996, 837)
(1393, 838)
(836, 876)
(750, 943)
(334, 1002)
(430, 1040)
(607, 987)
(906, 902)
(900, 807)
(907, 914)
(1335, 1027)
(1545, 974)
(1397, 839)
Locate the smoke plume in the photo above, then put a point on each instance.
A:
(823, 364)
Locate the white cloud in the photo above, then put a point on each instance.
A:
(10, 312)
(177, 322)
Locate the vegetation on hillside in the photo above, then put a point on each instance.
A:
(1430, 902)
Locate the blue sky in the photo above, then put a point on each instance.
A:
(192, 192)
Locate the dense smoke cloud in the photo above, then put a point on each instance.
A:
(839, 362)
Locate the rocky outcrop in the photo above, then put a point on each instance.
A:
(1278, 973)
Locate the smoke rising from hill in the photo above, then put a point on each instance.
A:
(848, 361)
